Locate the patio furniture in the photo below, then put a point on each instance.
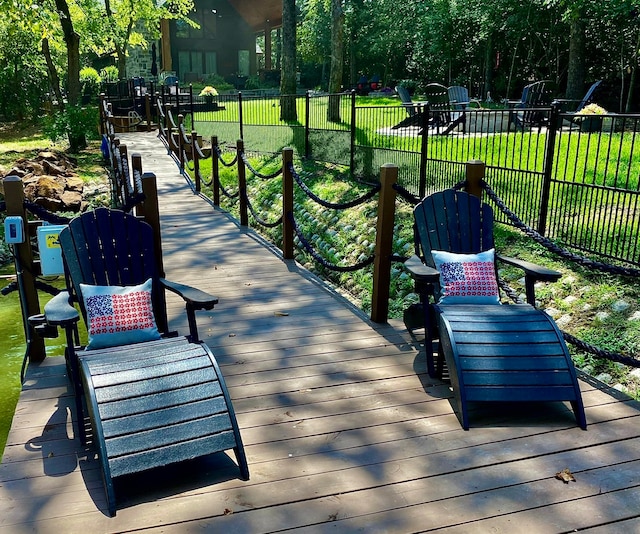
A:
(413, 109)
(565, 103)
(459, 98)
(526, 112)
(444, 116)
(152, 398)
(493, 352)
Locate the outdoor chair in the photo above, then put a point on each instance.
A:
(414, 109)
(443, 116)
(493, 352)
(526, 112)
(565, 104)
(152, 398)
(459, 98)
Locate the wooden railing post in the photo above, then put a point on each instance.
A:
(384, 244)
(287, 204)
(147, 110)
(196, 160)
(215, 170)
(475, 175)
(181, 142)
(242, 184)
(29, 303)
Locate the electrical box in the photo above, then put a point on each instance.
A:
(13, 229)
(50, 251)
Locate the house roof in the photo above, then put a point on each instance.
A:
(257, 12)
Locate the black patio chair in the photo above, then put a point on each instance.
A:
(152, 398)
(527, 111)
(493, 352)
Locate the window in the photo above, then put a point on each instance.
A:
(243, 62)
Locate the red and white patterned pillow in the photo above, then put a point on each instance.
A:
(467, 278)
(119, 315)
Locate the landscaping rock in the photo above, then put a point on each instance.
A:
(635, 316)
(620, 306)
(563, 321)
(50, 181)
(602, 316)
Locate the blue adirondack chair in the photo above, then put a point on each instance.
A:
(152, 398)
(526, 112)
(493, 352)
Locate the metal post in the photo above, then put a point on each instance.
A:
(215, 170)
(352, 151)
(554, 123)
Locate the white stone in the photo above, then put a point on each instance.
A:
(586, 307)
(635, 316)
(553, 312)
(620, 306)
(569, 299)
(635, 373)
(563, 321)
(602, 316)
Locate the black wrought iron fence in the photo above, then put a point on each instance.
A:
(573, 178)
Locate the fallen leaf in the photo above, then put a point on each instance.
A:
(280, 314)
(566, 476)
(227, 511)
(232, 335)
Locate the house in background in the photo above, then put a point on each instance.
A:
(225, 42)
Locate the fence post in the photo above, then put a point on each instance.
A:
(215, 170)
(240, 118)
(474, 170)
(287, 204)
(352, 151)
(242, 184)
(136, 173)
(554, 122)
(384, 244)
(29, 303)
(147, 110)
(307, 109)
(181, 141)
(196, 159)
(424, 123)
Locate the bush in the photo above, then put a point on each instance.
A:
(74, 123)
(109, 74)
(90, 82)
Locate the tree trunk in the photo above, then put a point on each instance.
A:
(54, 79)
(576, 69)
(488, 67)
(288, 73)
(77, 139)
(337, 57)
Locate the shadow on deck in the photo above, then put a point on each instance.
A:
(343, 429)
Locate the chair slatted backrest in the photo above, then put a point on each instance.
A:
(458, 96)
(588, 96)
(110, 247)
(453, 221)
(405, 97)
(438, 97)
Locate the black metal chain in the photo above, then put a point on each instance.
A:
(553, 247)
(261, 221)
(219, 156)
(582, 345)
(44, 214)
(320, 259)
(229, 195)
(406, 194)
(336, 206)
(257, 173)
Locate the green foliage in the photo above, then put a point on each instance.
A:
(90, 81)
(74, 123)
(109, 74)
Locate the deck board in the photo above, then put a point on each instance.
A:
(343, 429)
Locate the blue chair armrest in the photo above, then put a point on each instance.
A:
(198, 300)
(59, 311)
(421, 272)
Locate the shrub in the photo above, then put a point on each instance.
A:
(90, 82)
(109, 74)
(74, 123)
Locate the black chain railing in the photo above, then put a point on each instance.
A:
(257, 173)
(332, 267)
(226, 164)
(632, 361)
(331, 205)
(260, 220)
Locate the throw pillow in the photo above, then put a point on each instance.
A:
(118, 315)
(467, 278)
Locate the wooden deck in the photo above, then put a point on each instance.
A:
(343, 429)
